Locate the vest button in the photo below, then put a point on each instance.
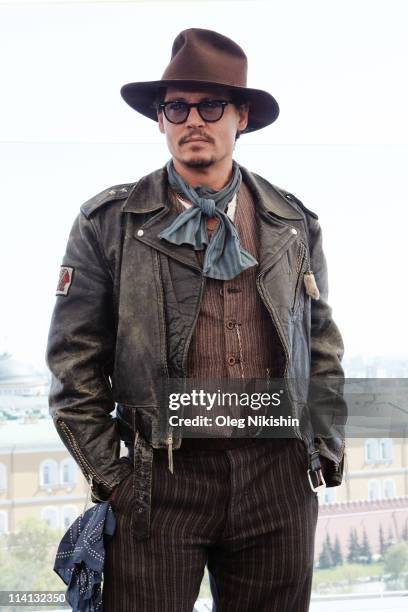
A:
(233, 290)
(230, 324)
(140, 232)
(232, 361)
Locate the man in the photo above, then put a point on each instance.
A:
(201, 269)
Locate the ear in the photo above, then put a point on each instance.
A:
(161, 123)
(243, 112)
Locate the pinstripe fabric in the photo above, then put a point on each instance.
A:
(249, 513)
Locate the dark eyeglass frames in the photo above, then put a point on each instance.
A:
(178, 111)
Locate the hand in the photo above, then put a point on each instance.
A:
(113, 494)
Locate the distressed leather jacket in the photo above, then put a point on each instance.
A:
(129, 309)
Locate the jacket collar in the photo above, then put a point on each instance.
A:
(149, 194)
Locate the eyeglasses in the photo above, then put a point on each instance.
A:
(178, 111)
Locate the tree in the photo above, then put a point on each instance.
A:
(404, 534)
(382, 547)
(396, 559)
(390, 540)
(365, 550)
(33, 540)
(326, 556)
(27, 558)
(354, 547)
(337, 556)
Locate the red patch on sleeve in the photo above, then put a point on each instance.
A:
(65, 280)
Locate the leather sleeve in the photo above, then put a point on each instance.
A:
(80, 353)
(326, 403)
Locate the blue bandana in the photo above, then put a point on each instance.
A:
(224, 257)
(81, 555)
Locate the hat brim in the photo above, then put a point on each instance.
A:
(263, 108)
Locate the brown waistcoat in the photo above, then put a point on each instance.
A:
(234, 332)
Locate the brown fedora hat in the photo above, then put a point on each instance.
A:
(203, 57)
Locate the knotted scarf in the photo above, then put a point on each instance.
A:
(224, 257)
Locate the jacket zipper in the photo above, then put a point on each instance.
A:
(272, 315)
(87, 468)
(299, 270)
(170, 450)
(200, 299)
(169, 438)
(169, 441)
(301, 259)
(162, 318)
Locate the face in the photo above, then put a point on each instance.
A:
(197, 143)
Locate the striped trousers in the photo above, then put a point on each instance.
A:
(249, 514)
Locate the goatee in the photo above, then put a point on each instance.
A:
(199, 163)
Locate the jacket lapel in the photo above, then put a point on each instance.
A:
(278, 222)
(276, 218)
(149, 197)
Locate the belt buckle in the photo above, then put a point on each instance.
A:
(320, 476)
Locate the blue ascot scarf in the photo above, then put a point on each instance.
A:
(224, 257)
(81, 555)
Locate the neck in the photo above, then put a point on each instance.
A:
(214, 176)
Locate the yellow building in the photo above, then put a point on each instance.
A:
(38, 477)
(375, 469)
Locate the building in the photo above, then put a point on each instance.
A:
(38, 477)
(374, 494)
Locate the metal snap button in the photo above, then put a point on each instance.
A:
(140, 232)
(232, 361)
(293, 230)
(230, 324)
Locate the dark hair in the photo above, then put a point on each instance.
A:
(237, 100)
(159, 97)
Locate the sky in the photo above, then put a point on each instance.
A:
(340, 144)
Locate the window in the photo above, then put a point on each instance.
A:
(371, 450)
(386, 449)
(48, 473)
(388, 488)
(68, 516)
(3, 522)
(3, 477)
(50, 515)
(68, 472)
(374, 491)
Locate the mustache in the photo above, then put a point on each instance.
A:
(196, 135)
